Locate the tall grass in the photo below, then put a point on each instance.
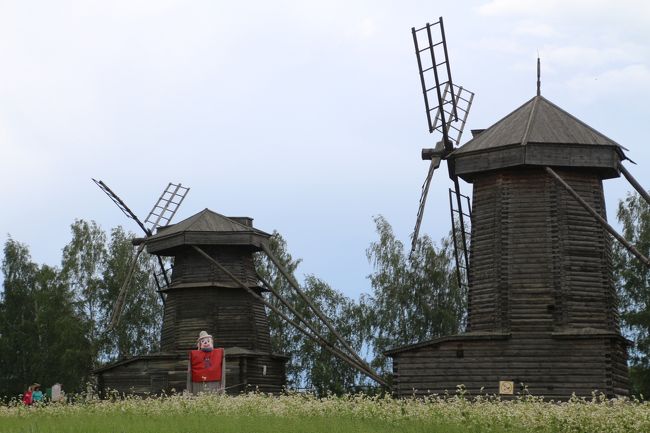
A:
(305, 413)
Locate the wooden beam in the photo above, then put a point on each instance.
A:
(634, 183)
(599, 218)
(314, 308)
(334, 350)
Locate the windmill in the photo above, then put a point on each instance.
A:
(451, 104)
(160, 215)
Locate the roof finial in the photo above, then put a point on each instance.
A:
(539, 82)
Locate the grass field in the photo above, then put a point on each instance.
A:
(305, 413)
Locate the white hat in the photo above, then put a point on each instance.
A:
(203, 335)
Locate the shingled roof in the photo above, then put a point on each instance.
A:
(536, 121)
(206, 228)
(538, 133)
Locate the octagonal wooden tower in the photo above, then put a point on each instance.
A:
(201, 297)
(542, 302)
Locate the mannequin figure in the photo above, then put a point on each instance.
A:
(206, 369)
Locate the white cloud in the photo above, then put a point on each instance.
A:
(501, 45)
(531, 28)
(627, 82)
(516, 7)
(367, 27)
(586, 57)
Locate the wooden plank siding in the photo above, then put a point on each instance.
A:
(540, 274)
(232, 316)
(539, 261)
(550, 367)
(154, 374)
(203, 297)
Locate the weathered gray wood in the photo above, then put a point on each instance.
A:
(631, 248)
(203, 297)
(326, 344)
(314, 308)
(541, 274)
(641, 190)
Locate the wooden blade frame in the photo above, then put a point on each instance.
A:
(435, 72)
(165, 208)
(163, 211)
(433, 63)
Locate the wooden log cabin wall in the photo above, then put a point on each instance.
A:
(541, 300)
(201, 297)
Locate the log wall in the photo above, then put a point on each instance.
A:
(539, 261)
(232, 316)
(540, 276)
(553, 367)
(153, 374)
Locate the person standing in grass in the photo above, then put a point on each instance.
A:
(27, 396)
(37, 394)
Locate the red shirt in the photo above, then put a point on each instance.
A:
(206, 366)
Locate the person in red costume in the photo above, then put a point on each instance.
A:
(206, 370)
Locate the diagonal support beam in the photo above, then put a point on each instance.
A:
(334, 350)
(121, 297)
(599, 218)
(302, 319)
(314, 308)
(634, 183)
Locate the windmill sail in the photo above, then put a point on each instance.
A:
(451, 104)
(161, 213)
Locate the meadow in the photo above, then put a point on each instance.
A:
(297, 412)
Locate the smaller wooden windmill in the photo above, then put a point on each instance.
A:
(451, 104)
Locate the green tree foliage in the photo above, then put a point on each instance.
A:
(95, 270)
(284, 337)
(81, 268)
(54, 322)
(311, 365)
(415, 296)
(633, 280)
(42, 336)
(324, 372)
(138, 329)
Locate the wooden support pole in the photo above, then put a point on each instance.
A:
(334, 350)
(290, 307)
(121, 297)
(314, 308)
(294, 311)
(634, 183)
(599, 218)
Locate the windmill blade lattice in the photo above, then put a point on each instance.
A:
(166, 206)
(161, 213)
(435, 72)
(463, 103)
(451, 105)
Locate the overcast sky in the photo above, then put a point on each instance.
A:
(304, 115)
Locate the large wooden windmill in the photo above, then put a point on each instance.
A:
(541, 298)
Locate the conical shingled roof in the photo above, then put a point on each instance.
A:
(205, 228)
(538, 133)
(536, 121)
